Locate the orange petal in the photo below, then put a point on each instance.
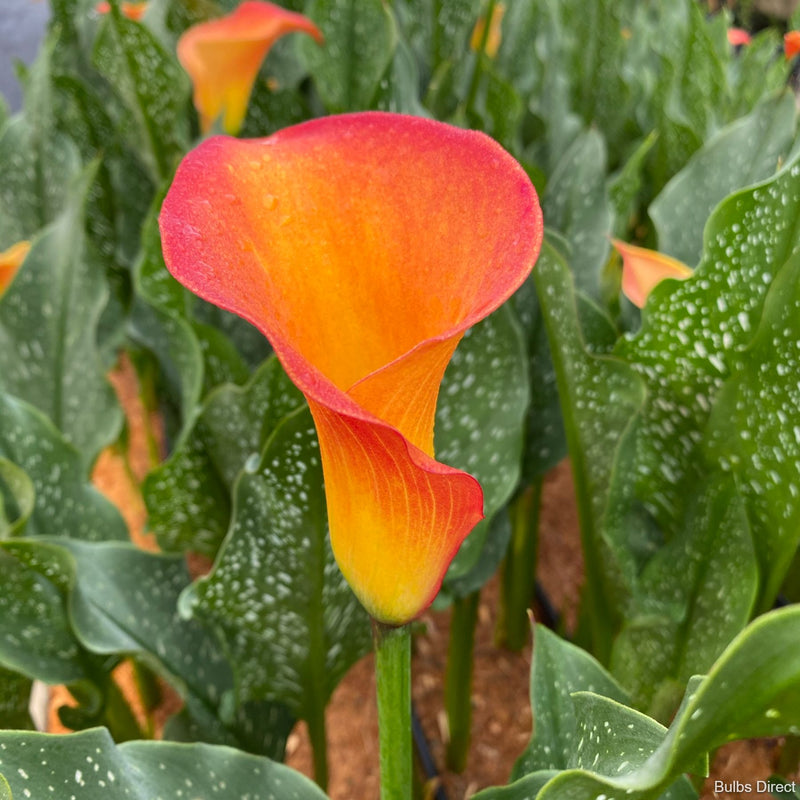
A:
(363, 246)
(132, 10)
(10, 262)
(223, 57)
(791, 44)
(642, 269)
(738, 36)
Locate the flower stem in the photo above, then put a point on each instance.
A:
(393, 678)
(519, 569)
(458, 679)
(319, 746)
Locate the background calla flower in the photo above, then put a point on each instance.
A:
(223, 57)
(132, 10)
(738, 37)
(495, 35)
(363, 246)
(791, 44)
(10, 262)
(642, 269)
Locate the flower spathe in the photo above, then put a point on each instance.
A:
(495, 35)
(223, 56)
(363, 246)
(10, 261)
(791, 44)
(643, 269)
(737, 37)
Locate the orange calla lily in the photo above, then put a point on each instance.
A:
(223, 57)
(642, 269)
(738, 37)
(10, 261)
(791, 44)
(363, 246)
(495, 35)
(132, 10)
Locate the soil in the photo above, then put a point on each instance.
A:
(501, 711)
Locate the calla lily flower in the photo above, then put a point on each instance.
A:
(363, 246)
(495, 35)
(223, 57)
(643, 269)
(132, 10)
(10, 261)
(738, 37)
(791, 44)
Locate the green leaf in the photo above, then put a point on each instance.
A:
(755, 72)
(151, 85)
(600, 396)
(66, 504)
(575, 203)
(124, 601)
(754, 429)
(752, 691)
(560, 669)
(36, 639)
(691, 335)
(625, 186)
(693, 596)
(480, 419)
(38, 164)
(360, 39)
(745, 152)
(48, 322)
(15, 692)
(452, 22)
(189, 496)
(159, 323)
(122, 192)
(17, 498)
(290, 623)
(89, 766)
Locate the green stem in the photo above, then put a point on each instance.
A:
(319, 746)
(478, 68)
(393, 678)
(458, 679)
(519, 569)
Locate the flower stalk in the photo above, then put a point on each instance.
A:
(393, 680)
(518, 576)
(458, 679)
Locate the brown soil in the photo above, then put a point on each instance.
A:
(501, 711)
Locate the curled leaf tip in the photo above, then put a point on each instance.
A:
(363, 246)
(643, 270)
(10, 261)
(223, 56)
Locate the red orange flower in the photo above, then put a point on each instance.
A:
(132, 10)
(10, 261)
(643, 269)
(495, 34)
(363, 246)
(223, 57)
(791, 44)
(738, 36)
